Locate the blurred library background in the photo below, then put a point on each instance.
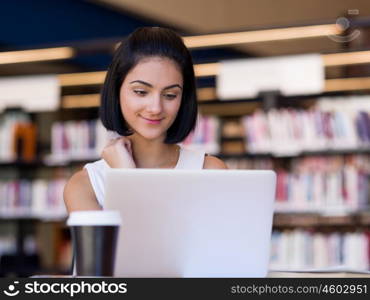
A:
(282, 85)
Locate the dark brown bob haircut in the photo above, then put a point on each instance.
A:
(149, 42)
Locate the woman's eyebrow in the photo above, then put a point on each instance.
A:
(149, 85)
(142, 82)
(172, 86)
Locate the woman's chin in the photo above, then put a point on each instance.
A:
(151, 136)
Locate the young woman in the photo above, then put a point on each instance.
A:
(149, 99)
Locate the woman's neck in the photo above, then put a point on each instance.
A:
(153, 153)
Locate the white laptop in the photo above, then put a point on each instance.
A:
(192, 223)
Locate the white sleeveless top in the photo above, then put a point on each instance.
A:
(188, 159)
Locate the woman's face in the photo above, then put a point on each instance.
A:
(150, 96)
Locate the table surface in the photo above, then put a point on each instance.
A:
(272, 274)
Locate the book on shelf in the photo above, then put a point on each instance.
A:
(300, 249)
(17, 137)
(332, 185)
(39, 198)
(288, 131)
(76, 140)
(205, 135)
(329, 185)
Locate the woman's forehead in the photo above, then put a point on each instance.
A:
(156, 70)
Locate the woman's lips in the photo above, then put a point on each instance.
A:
(152, 121)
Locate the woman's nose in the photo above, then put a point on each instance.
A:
(155, 105)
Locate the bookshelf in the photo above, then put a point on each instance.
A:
(317, 220)
(283, 221)
(78, 109)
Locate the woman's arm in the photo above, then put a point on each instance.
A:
(78, 193)
(212, 162)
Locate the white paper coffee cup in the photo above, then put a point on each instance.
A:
(94, 218)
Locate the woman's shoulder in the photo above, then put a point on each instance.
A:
(79, 178)
(78, 193)
(77, 184)
(213, 162)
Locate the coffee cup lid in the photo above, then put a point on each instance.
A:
(94, 218)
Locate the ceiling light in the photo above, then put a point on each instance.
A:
(267, 35)
(12, 57)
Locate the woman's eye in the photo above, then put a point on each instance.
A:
(140, 92)
(170, 96)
